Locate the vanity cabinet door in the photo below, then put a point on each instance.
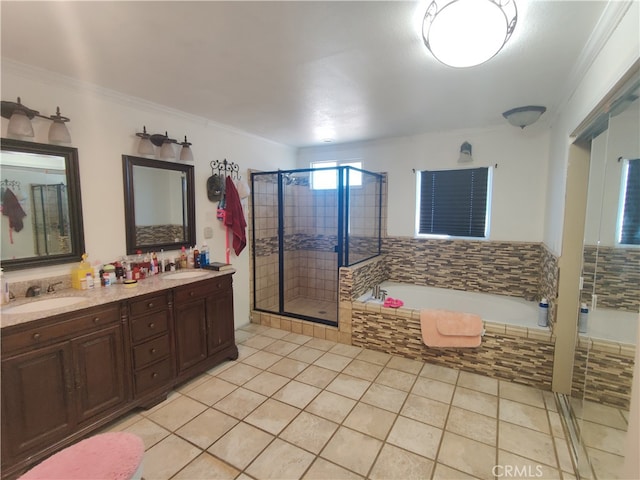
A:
(220, 321)
(99, 372)
(37, 399)
(191, 333)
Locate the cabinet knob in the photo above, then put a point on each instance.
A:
(154, 375)
(152, 351)
(152, 325)
(150, 305)
(192, 293)
(36, 336)
(96, 320)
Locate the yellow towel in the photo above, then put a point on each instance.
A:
(444, 328)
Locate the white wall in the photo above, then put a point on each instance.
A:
(103, 126)
(519, 188)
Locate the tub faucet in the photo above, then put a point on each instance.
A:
(376, 292)
(383, 294)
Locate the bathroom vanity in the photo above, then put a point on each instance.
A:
(66, 375)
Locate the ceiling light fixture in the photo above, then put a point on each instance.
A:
(465, 33)
(20, 117)
(147, 142)
(465, 153)
(524, 116)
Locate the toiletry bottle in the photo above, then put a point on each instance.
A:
(196, 257)
(204, 255)
(4, 299)
(583, 318)
(190, 258)
(89, 278)
(183, 257)
(543, 313)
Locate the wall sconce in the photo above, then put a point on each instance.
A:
(524, 116)
(20, 125)
(465, 153)
(147, 142)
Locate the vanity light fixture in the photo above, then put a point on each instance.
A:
(524, 116)
(147, 142)
(465, 153)
(20, 117)
(465, 33)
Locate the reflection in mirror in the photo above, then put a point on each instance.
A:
(159, 204)
(41, 207)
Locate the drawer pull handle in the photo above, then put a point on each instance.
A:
(152, 351)
(154, 375)
(192, 293)
(96, 320)
(150, 305)
(36, 336)
(152, 325)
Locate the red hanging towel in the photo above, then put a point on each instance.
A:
(12, 209)
(234, 216)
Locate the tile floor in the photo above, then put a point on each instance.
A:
(297, 407)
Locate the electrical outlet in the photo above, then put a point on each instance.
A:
(208, 232)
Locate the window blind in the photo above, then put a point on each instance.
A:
(630, 228)
(454, 202)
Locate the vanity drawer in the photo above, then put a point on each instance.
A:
(95, 318)
(149, 326)
(154, 376)
(149, 304)
(151, 351)
(202, 289)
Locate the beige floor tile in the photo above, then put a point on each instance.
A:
(524, 415)
(281, 347)
(272, 416)
(297, 394)
(297, 338)
(150, 432)
(405, 365)
(207, 467)
(171, 397)
(425, 410)
(346, 350)
(331, 406)
(395, 463)
(323, 470)
(207, 427)
(288, 367)
(191, 384)
(340, 450)
(476, 401)
(321, 344)
(317, 376)
(221, 367)
(259, 341)
(469, 456)
(212, 390)
(262, 359)
(239, 373)
(290, 462)
(306, 354)
(433, 389)
(604, 415)
(266, 383)
(361, 369)
(245, 351)
(242, 335)
(177, 413)
(123, 422)
(564, 457)
(254, 328)
(396, 379)
(370, 420)
(524, 468)
(384, 397)
(438, 372)
(526, 443)
(240, 445)
(521, 393)
(556, 424)
(275, 333)
(606, 465)
(240, 403)
(371, 356)
(309, 432)
(609, 439)
(167, 457)
(481, 383)
(473, 425)
(549, 401)
(348, 386)
(443, 472)
(417, 437)
(332, 361)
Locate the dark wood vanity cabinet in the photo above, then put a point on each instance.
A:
(59, 375)
(204, 325)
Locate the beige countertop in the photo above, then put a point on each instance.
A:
(98, 296)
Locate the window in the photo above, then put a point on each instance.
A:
(328, 179)
(629, 215)
(454, 203)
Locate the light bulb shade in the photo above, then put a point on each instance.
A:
(167, 152)
(145, 147)
(465, 153)
(186, 155)
(524, 116)
(20, 125)
(464, 33)
(58, 132)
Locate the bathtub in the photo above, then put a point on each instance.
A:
(613, 325)
(492, 308)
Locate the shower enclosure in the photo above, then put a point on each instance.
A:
(306, 224)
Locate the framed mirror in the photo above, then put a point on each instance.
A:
(41, 205)
(159, 202)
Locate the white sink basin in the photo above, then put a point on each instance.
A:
(45, 304)
(184, 275)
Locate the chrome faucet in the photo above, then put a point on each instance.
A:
(52, 287)
(33, 291)
(376, 292)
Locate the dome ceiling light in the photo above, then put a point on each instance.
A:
(524, 116)
(464, 33)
